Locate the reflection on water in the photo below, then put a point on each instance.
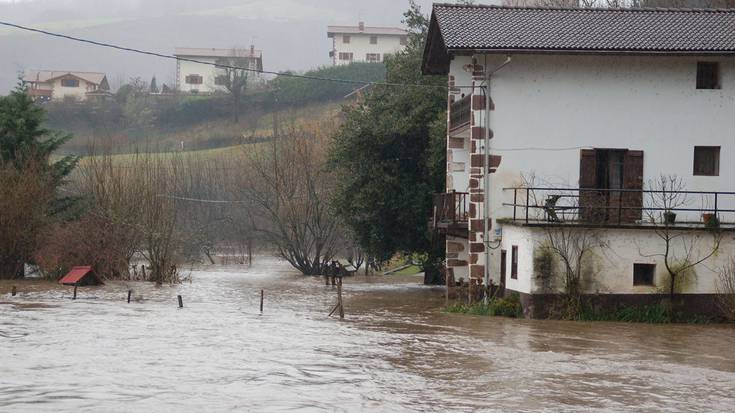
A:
(394, 352)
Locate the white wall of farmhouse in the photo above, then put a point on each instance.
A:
(610, 268)
(547, 107)
(359, 45)
(208, 73)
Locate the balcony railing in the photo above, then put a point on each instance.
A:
(451, 209)
(559, 206)
(460, 113)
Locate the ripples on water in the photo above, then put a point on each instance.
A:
(395, 352)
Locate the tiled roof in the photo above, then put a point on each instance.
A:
(616, 30)
(394, 31)
(44, 76)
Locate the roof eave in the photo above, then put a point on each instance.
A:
(436, 57)
(473, 50)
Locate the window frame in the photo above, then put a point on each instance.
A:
(372, 57)
(403, 40)
(699, 170)
(346, 39)
(709, 76)
(648, 267)
(74, 82)
(514, 262)
(373, 39)
(346, 56)
(190, 79)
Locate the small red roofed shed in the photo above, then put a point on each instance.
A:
(81, 276)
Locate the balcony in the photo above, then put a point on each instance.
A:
(636, 208)
(451, 213)
(460, 114)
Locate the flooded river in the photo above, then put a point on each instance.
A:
(395, 351)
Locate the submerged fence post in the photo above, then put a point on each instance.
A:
(181, 302)
(339, 299)
(130, 292)
(14, 291)
(75, 292)
(262, 293)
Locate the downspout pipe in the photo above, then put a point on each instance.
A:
(487, 179)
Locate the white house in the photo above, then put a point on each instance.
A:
(46, 85)
(205, 77)
(579, 113)
(363, 43)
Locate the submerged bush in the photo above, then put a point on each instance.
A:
(657, 313)
(506, 307)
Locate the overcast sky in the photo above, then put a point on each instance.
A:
(291, 33)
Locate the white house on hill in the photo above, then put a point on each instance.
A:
(46, 85)
(193, 77)
(363, 43)
(579, 114)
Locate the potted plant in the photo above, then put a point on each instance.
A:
(669, 217)
(710, 220)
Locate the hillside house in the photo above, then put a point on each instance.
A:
(206, 78)
(579, 113)
(364, 43)
(47, 85)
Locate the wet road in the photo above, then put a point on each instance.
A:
(396, 351)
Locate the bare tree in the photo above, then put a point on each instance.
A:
(682, 249)
(726, 290)
(234, 76)
(25, 194)
(288, 189)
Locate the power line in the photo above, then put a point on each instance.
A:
(225, 66)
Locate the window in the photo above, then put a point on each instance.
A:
(70, 82)
(345, 39)
(707, 160)
(345, 56)
(403, 40)
(194, 79)
(643, 274)
(372, 57)
(220, 80)
(373, 39)
(708, 75)
(503, 266)
(514, 262)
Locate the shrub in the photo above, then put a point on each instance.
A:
(506, 307)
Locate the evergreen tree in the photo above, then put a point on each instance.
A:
(390, 156)
(154, 85)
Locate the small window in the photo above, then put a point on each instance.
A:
(345, 56)
(643, 274)
(69, 82)
(503, 266)
(194, 79)
(404, 40)
(345, 39)
(707, 160)
(514, 262)
(372, 57)
(373, 39)
(708, 75)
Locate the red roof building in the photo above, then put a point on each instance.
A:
(81, 276)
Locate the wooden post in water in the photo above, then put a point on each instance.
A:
(339, 299)
(130, 292)
(75, 292)
(14, 291)
(262, 293)
(181, 302)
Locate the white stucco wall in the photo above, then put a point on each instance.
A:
(610, 268)
(360, 46)
(547, 107)
(208, 73)
(63, 92)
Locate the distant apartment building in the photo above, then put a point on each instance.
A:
(207, 77)
(47, 85)
(363, 43)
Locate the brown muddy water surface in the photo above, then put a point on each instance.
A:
(396, 351)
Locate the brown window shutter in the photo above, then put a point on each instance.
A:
(632, 179)
(587, 168)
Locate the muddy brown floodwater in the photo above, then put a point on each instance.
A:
(396, 351)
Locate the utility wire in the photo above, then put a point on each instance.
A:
(225, 66)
